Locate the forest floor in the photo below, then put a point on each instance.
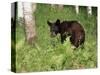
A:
(48, 54)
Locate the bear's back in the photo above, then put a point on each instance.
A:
(71, 27)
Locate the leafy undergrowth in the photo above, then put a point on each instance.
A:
(48, 54)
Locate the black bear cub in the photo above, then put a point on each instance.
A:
(68, 28)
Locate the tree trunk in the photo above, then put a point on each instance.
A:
(56, 5)
(77, 9)
(53, 5)
(29, 22)
(20, 18)
(89, 10)
(60, 6)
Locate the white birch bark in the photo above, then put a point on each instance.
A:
(89, 10)
(77, 9)
(29, 22)
(60, 6)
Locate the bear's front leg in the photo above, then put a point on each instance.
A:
(63, 38)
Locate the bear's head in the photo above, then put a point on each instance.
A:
(54, 27)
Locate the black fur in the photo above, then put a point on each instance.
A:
(68, 28)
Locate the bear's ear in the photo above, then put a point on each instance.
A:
(58, 21)
(49, 23)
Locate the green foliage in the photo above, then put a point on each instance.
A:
(48, 53)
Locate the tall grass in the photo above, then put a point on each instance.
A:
(48, 53)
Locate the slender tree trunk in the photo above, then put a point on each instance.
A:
(89, 10)
(20, 18)
(53, 5)
(60, 6)
(77, 9)
(29, 22)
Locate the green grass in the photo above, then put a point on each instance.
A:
(48, 53)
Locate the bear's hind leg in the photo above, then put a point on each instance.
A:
(74, 41)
